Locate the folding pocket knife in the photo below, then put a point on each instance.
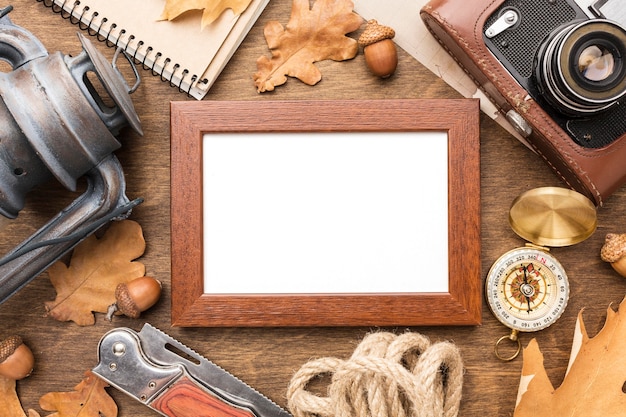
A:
(173, 380)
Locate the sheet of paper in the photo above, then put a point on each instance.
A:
(325, 213)
(413, 36)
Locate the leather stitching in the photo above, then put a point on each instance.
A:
(503, 82)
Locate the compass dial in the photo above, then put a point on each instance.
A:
(527, 289)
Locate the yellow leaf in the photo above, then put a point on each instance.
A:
(212, 9)
(312, 34)
(10, 403)
(96, 267)
(89, 399)
(593, 384)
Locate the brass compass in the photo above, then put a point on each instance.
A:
(527, 288)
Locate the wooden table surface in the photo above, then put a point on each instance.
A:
(266, 358)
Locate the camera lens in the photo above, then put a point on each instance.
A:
(596, 63)
(581, 68)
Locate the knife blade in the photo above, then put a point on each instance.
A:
(172, 379)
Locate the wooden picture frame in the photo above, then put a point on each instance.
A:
(459, 305)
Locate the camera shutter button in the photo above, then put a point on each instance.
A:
(519, 124)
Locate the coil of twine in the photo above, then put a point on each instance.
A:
(387, 375)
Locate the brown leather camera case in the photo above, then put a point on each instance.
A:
(459, 27)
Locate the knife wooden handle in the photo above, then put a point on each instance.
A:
(186, 399)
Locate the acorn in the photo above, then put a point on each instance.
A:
(614, 252)
(381, 56)
(16, 359)
(135, 297)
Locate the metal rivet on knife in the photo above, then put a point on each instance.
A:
(113, 366)
(119, 349)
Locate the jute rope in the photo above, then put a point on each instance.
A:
(386, 376)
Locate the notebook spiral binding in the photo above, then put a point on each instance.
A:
(93, 31)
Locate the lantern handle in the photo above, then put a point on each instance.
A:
(105, 194)
(116, 55)
(17, 45)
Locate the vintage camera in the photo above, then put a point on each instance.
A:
(571, 64)
(557, 70)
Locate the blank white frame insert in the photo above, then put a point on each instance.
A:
(322, 213)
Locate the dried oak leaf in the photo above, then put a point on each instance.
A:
(89, 399)
(96, 267)
(212, 9)
(10, 405)
(594, 380)
(312, 34)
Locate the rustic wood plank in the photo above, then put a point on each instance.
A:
(266, 358)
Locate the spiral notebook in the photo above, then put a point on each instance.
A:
(179, 51)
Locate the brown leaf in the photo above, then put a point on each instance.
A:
(96, 267)
(312, 34)
(594, 379)
(10, 405)
(89, 399)
(212, 9)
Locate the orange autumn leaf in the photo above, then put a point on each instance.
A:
(313, 34)
(9, 401)
(89, 399)
(88, 284)
(594, 380)
(212, 9)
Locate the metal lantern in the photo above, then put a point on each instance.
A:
(55, 125)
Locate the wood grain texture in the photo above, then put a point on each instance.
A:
(459, 306)
(266, 358)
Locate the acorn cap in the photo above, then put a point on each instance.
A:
(614, 247)
(8, 346)
(125, 303)
(375, 32)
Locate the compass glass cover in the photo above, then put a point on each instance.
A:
(527, 289)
